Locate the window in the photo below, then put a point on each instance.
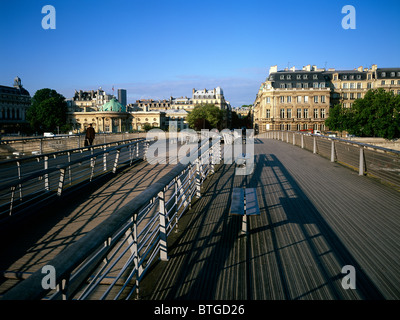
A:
(288, 77)
(268, 100)
(369, 76)
(359, 85)
(305, 76)
(315, 99)
(383, 74)
(298, 76)
(298, 85)
(369, 85)
(358, 76)
(351, 77)
(268, 113)
(305, 85)
(344, 77)
(352, 96)
(282, 99)
(323, 113)
(315, 76)
(392, 82)
(383, 82)
(315, 85)
(282, 113)
(305, 99)
(345, 95)
(322, 99)
(306, 113)
(335, 77)
(282, 77)
(358, 95)
(298, 127)
(298, 113)
(289, 113)
(282, 86)
(315, 113)
(289, 99)
(345, 85)
(298, 99)
(352, 85)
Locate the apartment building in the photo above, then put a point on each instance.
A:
(293, 99)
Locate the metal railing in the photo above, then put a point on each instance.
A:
(34, 179)
(367, 159)
(18, 147)
(111, 260)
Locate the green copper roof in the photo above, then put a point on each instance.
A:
(113, 105)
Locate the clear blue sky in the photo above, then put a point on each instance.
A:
(155, 49)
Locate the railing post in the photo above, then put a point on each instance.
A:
(163, 229)
(116, 161)
(314, 145)
(198, 178)
(361, 164)
(302, 141)
(333, 151)
(294, 138)
(61, 181)
(46, 176)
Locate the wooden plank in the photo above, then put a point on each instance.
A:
(237, 203)
(252, 207)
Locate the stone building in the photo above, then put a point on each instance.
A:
(298, 100)
(14, 104)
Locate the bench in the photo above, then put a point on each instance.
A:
(244, 203)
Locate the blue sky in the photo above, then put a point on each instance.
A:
(156, 49)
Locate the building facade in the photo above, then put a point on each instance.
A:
(14, 104)
(299, 100)
(88, 101)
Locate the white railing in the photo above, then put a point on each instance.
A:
(35, 179)
(367, 159)
(110, 261)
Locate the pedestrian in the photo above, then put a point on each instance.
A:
(90, 134)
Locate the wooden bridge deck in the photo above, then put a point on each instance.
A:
(316, 217)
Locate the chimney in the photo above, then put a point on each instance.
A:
(273, 69)
(293, 68)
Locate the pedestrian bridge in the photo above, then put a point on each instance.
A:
(164, 232)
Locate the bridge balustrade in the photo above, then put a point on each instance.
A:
(367, 159)
(35, 179)
(110, 261)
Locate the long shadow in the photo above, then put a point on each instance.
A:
(300, 210)
(24, 236)
(203, 283)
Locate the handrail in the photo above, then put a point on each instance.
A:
(62, 168)
(103, 237)
(380, 162)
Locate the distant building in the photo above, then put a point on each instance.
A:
(122, 97)
(14, 103)
(214, 96)
(88, 100)
(297, 100)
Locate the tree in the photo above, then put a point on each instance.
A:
(376, 115)
(48, 111)
(206, 116)
(338, 118)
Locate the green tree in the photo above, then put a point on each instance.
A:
(206, 116)
(375, 115)
(48, 111)
(338, 119)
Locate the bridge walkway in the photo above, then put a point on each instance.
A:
(316, 217)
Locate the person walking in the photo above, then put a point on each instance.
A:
(90, 134)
